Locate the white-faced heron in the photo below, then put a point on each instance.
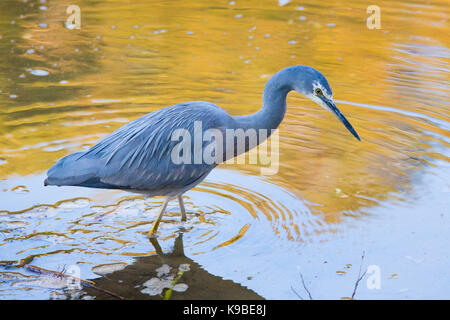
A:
(139, 155)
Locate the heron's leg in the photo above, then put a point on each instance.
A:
(183, 211)
(152, 232)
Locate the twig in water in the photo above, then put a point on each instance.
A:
(61, 275)
(359, 275)
(57, 274)
(297, 293)
(304, 286)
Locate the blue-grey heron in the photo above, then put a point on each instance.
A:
(138, 156)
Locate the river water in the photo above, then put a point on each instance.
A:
(333, 199)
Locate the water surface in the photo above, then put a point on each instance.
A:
(333, 198)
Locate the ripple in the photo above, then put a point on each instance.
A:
(220, 214)
(332, 198)
(439, 123)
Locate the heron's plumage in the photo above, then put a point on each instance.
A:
(137, 156)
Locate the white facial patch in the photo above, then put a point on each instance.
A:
(316, 84)
(316, 99)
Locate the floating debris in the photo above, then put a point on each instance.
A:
(41, 211)
(153, 287)
(103, 269)
(163, 270)
(282, 3)
(104, 100)
(180, 287)
(50, 282)
(166, 278)
(39, 73)
(13, 276)
(184, 267)
(67, 280)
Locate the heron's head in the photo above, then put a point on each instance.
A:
(311, 83)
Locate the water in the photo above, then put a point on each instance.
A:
(333, 199)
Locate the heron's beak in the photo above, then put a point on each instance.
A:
(332, 107)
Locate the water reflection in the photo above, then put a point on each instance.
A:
(62, 90)
(100, 230)
(151, 277)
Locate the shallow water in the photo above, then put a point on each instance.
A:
(332, 200)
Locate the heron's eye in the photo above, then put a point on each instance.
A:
(318, 92)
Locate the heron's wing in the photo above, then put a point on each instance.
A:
(138, 155)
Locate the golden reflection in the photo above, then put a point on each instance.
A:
(131, 59)
(240, 234)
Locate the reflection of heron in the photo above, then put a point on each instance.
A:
(139, 155)
(202, 285)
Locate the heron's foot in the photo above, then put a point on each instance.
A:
(152, 234)
(153, 230)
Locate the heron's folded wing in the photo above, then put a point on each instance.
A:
(138, 155)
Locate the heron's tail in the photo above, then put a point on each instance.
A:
(71, 170)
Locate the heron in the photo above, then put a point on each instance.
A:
(138, 156)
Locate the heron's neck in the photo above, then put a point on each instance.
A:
(274, 104)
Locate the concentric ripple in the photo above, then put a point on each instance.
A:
(91, 234)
